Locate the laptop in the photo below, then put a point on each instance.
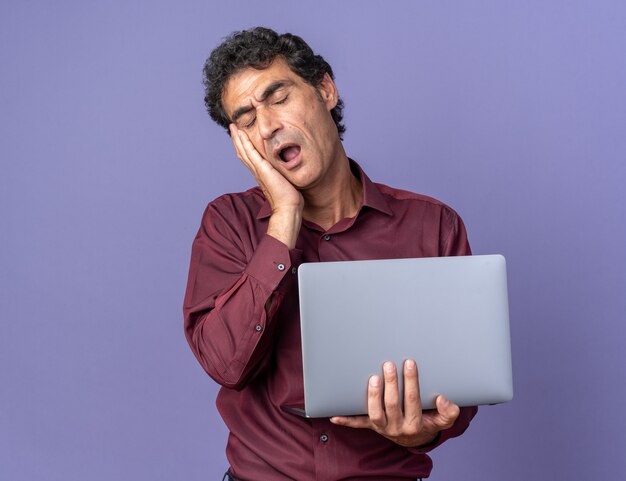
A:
(450, 314)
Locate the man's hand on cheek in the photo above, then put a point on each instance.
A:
(410, 428)
(286, 202)
(237, 136)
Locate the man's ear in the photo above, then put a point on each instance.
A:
(328, 92)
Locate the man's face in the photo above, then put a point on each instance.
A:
(287, 120)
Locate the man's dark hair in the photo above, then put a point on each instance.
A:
(258, 48)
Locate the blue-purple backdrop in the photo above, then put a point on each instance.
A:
(513, 112)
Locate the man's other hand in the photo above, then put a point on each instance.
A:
(286, 202)
(411, 428)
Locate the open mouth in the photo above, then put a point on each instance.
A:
(288, 152)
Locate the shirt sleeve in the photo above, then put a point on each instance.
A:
(232, 298)
(452, 235)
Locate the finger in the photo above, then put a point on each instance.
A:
(352, 421)
(391, 396)
(250, 150)
(447, 412)
(234, 131)
(375, 402)
(246, 154)
(412, 401)
(237, 142)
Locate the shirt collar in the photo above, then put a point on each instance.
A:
(370, 197)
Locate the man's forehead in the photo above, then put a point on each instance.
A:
(249, 84)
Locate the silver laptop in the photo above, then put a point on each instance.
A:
(450, 314)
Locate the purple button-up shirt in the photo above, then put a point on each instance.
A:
(242, 323)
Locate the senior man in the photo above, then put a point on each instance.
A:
(280, 105)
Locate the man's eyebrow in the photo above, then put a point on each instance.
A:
(273, 87)
(269, 90)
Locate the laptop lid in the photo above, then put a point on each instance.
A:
(450, 314)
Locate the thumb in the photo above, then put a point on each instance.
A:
(447, 412)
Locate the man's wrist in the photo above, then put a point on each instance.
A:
(425, 440)
(284, 225)
(426, 445)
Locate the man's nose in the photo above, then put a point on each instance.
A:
(267, 124)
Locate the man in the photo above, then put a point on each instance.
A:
(278, 101)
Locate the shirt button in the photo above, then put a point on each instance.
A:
(327, 237)
(259, 327)
(324, 438)
(294, 270)
(281, 267)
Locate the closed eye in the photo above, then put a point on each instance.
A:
(281, 101)
(249, 124)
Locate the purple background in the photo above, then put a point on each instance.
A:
(513, 112)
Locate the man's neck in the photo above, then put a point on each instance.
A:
(339, 196)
